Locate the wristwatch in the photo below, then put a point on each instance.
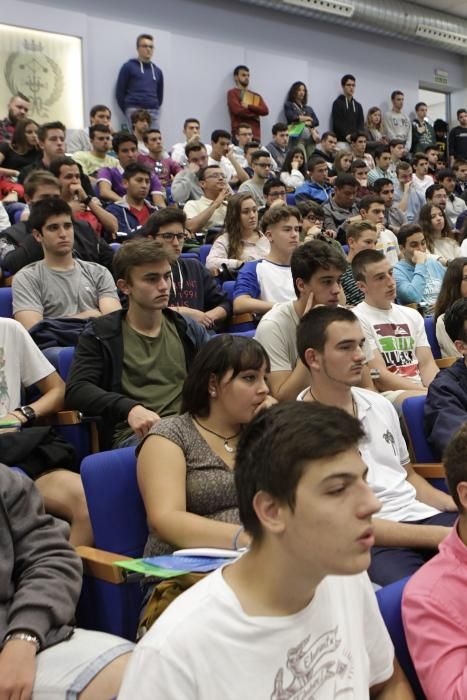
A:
(24, 636)
(88, 199)
(28, 412)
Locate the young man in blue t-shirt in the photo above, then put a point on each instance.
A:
(262, 283)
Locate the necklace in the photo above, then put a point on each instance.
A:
(354, 405)
(226, 440)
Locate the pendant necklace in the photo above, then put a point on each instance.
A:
(226, 440)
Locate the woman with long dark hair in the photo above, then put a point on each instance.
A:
(185, 463)
(294, 170)
(440, 239)
(242, 240)
(302, 120)
(454, 287)
(22, 151)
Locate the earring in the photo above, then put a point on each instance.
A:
(213, 394)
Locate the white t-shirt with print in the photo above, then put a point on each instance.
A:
(387, 244)
(397, 333)
(385, 453)
(205, 647)
(21, 364)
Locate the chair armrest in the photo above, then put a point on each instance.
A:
(443, 362)
(241, 318)
(61, 418)
(430, 471)
(100, 564)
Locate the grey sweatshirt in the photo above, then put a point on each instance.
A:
(40, 574)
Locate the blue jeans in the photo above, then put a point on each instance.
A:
(154, 117)
(389, 564)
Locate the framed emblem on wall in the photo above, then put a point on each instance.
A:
(45, 67)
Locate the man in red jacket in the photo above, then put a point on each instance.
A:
(245, 106)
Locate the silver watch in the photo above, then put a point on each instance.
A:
(24, 636)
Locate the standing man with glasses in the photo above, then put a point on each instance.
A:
(209, 210)
(347, 114)
(194, 291)
(140, 83)
(261, 162)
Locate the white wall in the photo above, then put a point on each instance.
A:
(199, 43)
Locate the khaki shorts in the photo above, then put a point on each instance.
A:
(63, 671)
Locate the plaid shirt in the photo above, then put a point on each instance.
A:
(6, 130)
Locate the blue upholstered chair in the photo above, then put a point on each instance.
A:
(118, 520)
(390, 603)
(6, 302)
(412, 411)
(204, 252)
(430, 329)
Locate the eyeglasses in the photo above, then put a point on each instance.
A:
(216, 176)
(170, 236)
(264, 165)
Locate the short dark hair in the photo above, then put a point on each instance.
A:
(99, 108)
(314, 161)
(272, 182)
(417, 157)
(328, 133)
(222, 353)
(38, 178)
(251, 144)
(358, 135)
(460, 111)
(364, 258)
(368, 200)
(454, 320)
(280, 444)
(237, 69)
(190, 147)
(396, 142)
(279, 126)
(379, 150)
(275, 215)
(123, 137)
(202, 171)
(420, 104)
(429, 192)
(140, 115)
(380, 183)
(407, 230)
(312, 256)
(312, 329)
(260, 153)
(168, 215)
(394, 93)
(143, 36)
(148, 132)
(136, 252)
(48, 126)
(444, 173)
(98, 129)
(220, 134)
(345, 180)
(133, 169)
(402, 165)
(358, 163)
(190, 120)
(43, 210)
(309, 205)
(455, 464)
(57, 163)
(431, 147)
(346, 77)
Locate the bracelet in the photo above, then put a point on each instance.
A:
(236, 537)
(24, 637)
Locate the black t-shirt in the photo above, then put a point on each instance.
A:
(458, 142)
(16, 161)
